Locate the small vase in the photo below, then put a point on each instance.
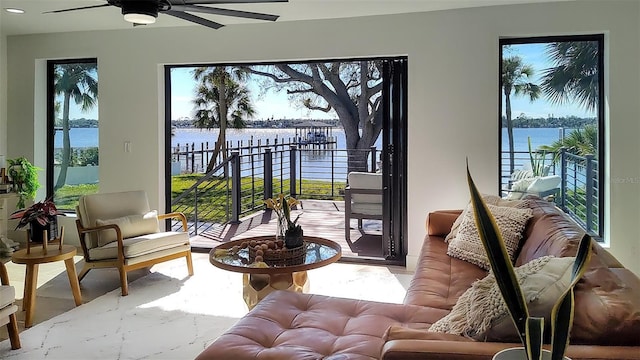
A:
(37, 230)
(519, 354)
(281, 227)
(294, 240)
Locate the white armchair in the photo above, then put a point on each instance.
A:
(8, 308)
(362, 199)
(119, 230)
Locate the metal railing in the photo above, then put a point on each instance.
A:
(579, 188)
(238, 185)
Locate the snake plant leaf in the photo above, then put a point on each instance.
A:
(499, 260)
(534, 337)
(562, 312)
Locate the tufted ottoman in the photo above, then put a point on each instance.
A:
(287, 325)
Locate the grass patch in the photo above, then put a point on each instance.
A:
(214, 195)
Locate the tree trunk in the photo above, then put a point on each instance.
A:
(357, 160)
(509, 131)
(221, 145)
(66, 143)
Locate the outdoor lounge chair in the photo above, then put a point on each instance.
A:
(362, 199)
(119, 230)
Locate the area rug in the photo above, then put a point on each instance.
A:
(168, 315)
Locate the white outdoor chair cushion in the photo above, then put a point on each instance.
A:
(365, 180)
(7, 295)
(544, 183)
(140, 245)
(366, 208)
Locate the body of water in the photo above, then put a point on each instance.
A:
(88, 137)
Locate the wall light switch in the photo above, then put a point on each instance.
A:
(127, 146)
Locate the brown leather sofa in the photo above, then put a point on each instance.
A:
(287, 325)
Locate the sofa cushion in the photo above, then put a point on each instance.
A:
(607, 310)
(288, 325)
(140, 245)
(130, 226)
(489, 200)
(439, 279)
(468, 246)
(482, 314)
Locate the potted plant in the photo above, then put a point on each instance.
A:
(40, 216)
(288, 229)
(530, 329)
(25, 178)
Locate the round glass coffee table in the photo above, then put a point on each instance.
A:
(258, 282)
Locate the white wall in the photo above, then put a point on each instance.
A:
(453, 92)
(3, 97)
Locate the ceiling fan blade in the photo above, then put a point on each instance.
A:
(214, 2)
(225, 12)
(74, 9)
(195, 19)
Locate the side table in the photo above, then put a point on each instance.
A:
(39, 255)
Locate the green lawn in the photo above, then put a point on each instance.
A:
(213, 202)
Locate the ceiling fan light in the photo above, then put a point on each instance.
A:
(140, 11)
(137, 18)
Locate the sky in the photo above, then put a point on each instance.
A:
(534, 55)
(276, 104)
(271, 104)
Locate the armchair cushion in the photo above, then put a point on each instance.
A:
(141, 245)
(109, 206)
(7, 295)
(130, 226)
(365, 180)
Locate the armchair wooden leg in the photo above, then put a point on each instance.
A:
(123, 282)
(189, 264)
(12, 329)
(83, 272)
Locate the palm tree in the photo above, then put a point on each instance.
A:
(574, 74)
(515, 76)
(221, 101)
(74, 82)
(579, 142)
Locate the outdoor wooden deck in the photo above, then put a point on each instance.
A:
(322, 218)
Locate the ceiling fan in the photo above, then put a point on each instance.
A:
(143, 12)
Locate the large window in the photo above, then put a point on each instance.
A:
(552, 122)
(296, 128)
(72, 143)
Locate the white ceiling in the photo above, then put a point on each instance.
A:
(33, 21)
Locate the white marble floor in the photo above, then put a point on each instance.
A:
(169, 315)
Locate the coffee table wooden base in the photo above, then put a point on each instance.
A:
(256, 286)
(32, 260)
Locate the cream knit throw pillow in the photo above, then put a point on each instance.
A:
(467, 245)
(481, 313)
